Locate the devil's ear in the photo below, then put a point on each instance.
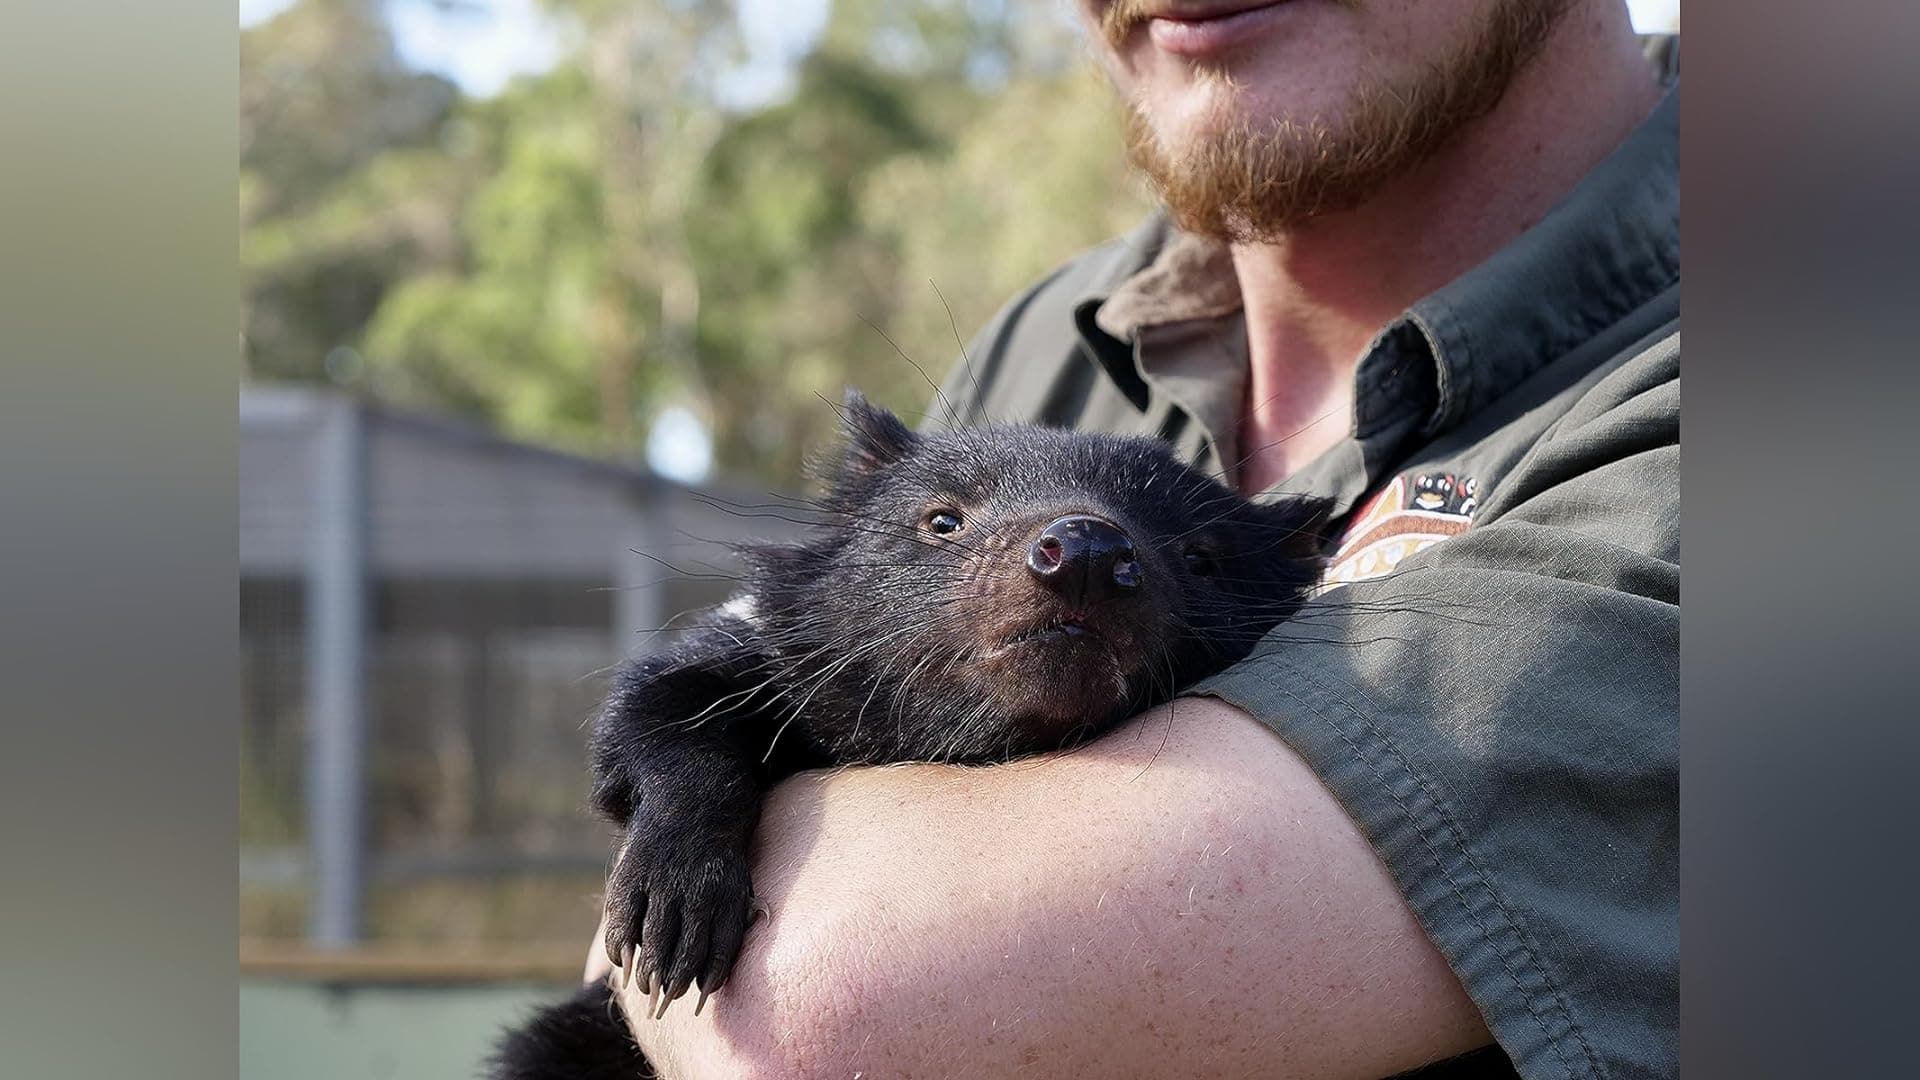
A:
(875, 437)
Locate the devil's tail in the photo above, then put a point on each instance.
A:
(582, 1038)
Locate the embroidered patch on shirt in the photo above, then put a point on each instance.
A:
(1409, 515)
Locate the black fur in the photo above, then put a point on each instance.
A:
(582, 1039)
(893, 636)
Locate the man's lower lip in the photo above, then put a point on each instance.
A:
(1204, 37)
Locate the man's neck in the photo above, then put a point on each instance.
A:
(1316, 298)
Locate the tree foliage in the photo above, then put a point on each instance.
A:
(593, 243)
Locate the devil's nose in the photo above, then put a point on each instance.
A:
(1084, 559)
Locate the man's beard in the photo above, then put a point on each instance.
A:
(1250, 182)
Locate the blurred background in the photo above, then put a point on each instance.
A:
(532, 286)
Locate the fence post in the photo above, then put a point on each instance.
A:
(336, 603)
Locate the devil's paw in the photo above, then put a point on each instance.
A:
(677, 909)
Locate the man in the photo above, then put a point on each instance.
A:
(1422, 258)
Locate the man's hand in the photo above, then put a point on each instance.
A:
(1176, 897)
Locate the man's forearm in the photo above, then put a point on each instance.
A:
(1182, 894)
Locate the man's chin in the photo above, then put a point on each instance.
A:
(1190, 98)
(1247, 151)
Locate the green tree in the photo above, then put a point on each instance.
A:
(1034, 177)
(344, 189)
(565, 258)
(788, 267)
(513, 330)
(574, 306)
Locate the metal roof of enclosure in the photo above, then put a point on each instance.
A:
(447, 499)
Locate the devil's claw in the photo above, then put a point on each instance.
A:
(676, 916)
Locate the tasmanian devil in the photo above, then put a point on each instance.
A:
(970, 596)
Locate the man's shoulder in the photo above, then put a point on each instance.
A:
(1640, 370)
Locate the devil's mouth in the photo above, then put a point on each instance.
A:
(1051, 631)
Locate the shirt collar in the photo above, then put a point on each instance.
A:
(1608, 247)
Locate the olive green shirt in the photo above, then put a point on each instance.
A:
(1489, 681)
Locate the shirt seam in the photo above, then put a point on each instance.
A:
(1453, 840)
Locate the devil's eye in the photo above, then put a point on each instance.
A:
(943, 522)
(1200, 561)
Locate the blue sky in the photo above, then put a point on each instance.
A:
(482, 44)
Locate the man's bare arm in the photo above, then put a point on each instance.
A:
(1183, 898)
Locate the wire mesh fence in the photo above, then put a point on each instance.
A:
(500, 587)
